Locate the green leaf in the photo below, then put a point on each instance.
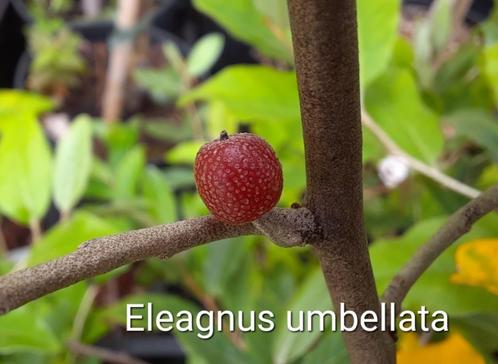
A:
(222, 260)
(163, 84)
(119, 138)
(26, 357)
(330, 350)
(184, 152)
(251, 92)
(204, 54)
(128, 173)
(458, 84)
(174, 56)
(159, 196)
(25, 330)
(395, 103)
(59, 309)
(490, 67)
(166, 130)
(423, 52)
(478, 126)
(14, 102)
(433, 289)
(276, 11)
(73, 161)
(488, 177)
(377, 33)
(67, 236)
(5, 265)
(481, 330)
(372, 149)
(25, 167)
(242, 19)
(208, 350)
(311, 296)
(441, 22)
(179, 177)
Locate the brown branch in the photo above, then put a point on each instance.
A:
(460, 10)
(119, 61)
(109, 356)
(107, 253)
(104, 254)
(326, 54)
(456, 226)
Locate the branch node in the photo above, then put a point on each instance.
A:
(295, 227)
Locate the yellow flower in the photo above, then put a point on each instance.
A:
(455, 350)
(477, 264)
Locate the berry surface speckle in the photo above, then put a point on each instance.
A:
(238, 177)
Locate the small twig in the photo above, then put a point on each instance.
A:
(36, 230)
(3, 241)
(103, 354)
(64, 215)
(104, 254)
(180, 66)
(83, 312)
(416, 164)
(210, 303)
(457, 225)
(460, 10)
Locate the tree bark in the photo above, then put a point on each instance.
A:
(326, 55)
(288, 227)
(104, 254)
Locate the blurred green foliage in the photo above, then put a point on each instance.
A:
(57, 63)
(444, 115)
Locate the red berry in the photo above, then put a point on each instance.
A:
(238, 177)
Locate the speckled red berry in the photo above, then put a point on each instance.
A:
(238, 177)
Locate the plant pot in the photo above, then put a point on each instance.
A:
(13, 18)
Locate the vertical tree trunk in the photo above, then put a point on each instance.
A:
(326, 53)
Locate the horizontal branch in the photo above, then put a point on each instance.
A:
(419, 166)
(457, 225)
(104, 254)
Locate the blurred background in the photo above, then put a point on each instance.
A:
(104, 104)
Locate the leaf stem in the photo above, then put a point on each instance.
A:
(36, 231)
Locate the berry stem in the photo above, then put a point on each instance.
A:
(223, 135)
